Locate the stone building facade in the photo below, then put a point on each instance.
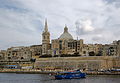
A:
(92, 49)
(18, 53)
(118, 48)
(36, 50)
(2, 54)
(65, 44)
(112, 49)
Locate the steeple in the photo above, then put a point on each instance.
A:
(45, 39)
(46, 26)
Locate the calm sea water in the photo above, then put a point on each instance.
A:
(38, 78)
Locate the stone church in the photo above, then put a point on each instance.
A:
(65, 44)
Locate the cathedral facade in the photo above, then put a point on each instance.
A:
(64, 45)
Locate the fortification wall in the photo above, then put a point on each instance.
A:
(69, 63)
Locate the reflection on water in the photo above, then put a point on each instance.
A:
(38, 78)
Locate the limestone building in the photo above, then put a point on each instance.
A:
(92, 49)
(36, 50)
(110, 50)
(118, 48)
(2, 54)
(65, 44)
(18, 53)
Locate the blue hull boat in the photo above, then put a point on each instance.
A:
(70, 75)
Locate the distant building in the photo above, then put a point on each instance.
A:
(2, 54)
(92, 49)
(18, 53)
(36, 50)
(112, 49)
(118, 47)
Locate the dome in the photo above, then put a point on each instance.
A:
(66, 34)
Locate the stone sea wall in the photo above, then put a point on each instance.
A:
(70, 63)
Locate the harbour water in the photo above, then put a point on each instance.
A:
(40, 78)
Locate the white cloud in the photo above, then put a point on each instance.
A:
(84, 26)
(23, 20)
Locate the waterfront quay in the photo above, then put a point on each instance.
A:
(33, 71)
(94, 63)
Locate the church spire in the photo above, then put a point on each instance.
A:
(46, 26)
(45, 39)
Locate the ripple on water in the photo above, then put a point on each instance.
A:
(39, 78)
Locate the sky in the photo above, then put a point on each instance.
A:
(22, 21)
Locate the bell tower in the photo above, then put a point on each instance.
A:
(45, 39)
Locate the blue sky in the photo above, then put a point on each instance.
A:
(22, 21)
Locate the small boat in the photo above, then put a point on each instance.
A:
(70, 75)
